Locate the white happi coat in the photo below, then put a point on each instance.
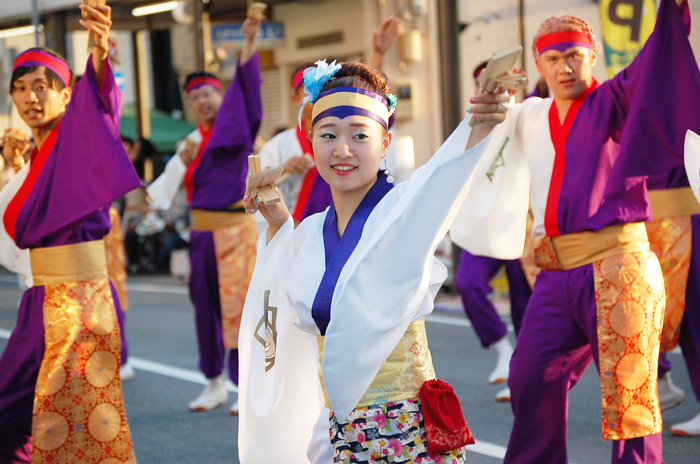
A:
(163, 190)
(11, 257)
(513, 176)
(278, 151)
(390, 280)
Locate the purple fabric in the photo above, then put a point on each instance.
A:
(689, 340)
(664, 365)
(86, 170)
(204, 293)
(627, 130)
(557, 342)
(338, 250)
(342, 112)
(319, 199)
(220, 178)
(121, 318)
(472, 283)
(19, 364)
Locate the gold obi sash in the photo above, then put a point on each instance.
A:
(673, 202)
(570, 251)
(403, 373)
(206, 221)
(68, 263)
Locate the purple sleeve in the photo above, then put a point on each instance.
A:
(658, 97)
(240, 114)
(87, 168)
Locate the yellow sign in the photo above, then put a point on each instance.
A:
(627, 24)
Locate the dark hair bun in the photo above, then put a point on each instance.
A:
(354, 74)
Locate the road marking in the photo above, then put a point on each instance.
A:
(487, 449)
(447, 320)
(175, 372)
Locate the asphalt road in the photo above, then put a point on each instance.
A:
(161, 336)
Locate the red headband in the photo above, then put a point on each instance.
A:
(41, 58)
(561, 41)
(298, 79)
(198, 82)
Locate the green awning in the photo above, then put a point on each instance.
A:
(165, 131)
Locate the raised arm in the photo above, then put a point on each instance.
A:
(382, 39)
(99, 26)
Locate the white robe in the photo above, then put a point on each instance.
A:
(277, 151)
(390, 280)
(514, 175)
(11, 257)
(692, 161)
(163, 190)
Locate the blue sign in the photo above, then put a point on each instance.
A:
(120, 79)
(271, 34)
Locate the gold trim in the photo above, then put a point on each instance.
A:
(351, 99)
(68, 263)
(575, 250)
(673, 203)
(206, 221)
(402, 374)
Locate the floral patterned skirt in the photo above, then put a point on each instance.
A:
(389, 432)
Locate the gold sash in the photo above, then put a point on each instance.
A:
(403, 373)
(68, 263)
(575, 250)
(206, 221)
(673, 202)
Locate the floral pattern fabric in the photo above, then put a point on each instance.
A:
(79, 414)
(671, 240)
(386, 433)
(236, 250)
(629, 292)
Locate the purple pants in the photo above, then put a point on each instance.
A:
(472, 283)
(204, 293)
(557, 342)
(19, 365)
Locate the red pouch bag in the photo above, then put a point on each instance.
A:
(445, 426)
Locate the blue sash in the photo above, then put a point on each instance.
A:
(338, 250)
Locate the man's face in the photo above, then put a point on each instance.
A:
(205, 102)
(568, 73)
(38, 103)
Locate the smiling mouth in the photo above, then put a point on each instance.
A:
(344, 168)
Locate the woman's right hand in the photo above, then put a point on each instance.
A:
(276, 214)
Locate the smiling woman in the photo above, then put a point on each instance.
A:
(360, 277)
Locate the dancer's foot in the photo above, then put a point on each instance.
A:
(670, 395)
(503, 396)
(213, 396)
(234, 408)
(689, 428)
(126, 372)
(504, 350)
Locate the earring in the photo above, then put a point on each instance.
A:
(387, 173)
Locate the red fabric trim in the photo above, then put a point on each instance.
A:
(560, 37)
(192, 167)
(39, 58)
(560, 134)
(38, 160)
(309, 179)
(298, 79)
(197, 82)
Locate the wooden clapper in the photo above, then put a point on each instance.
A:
(261, 183)
(499, 73)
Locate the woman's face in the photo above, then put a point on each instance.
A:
(348, 151)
